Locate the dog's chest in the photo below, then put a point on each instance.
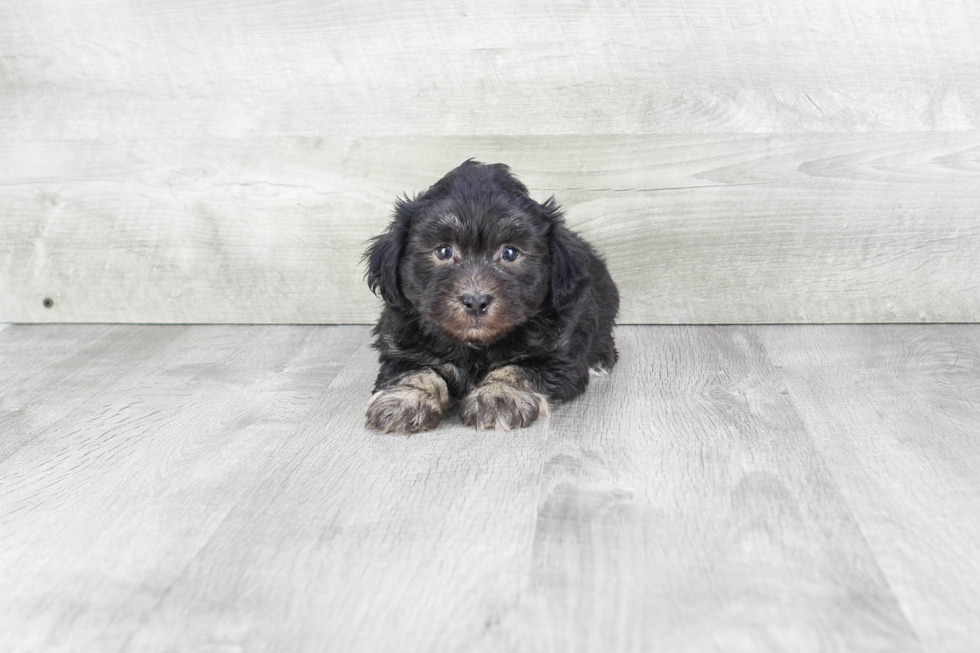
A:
(464, 368)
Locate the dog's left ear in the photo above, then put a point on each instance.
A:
(385, 253)
(569, 258)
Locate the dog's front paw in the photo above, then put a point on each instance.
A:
(503, 400)
(415, 402)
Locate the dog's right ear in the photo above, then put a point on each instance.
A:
(385, 253)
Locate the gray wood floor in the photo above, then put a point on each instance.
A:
(212, 488)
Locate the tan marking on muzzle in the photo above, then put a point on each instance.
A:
(469, 328)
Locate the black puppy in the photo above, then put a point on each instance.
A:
(489, 301)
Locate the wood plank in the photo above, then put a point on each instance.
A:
(696, 228)
(895, 411)
(684, 508)
(103, 510)
(363, 541)
(51, 371)
(178, 68)
(40, 356)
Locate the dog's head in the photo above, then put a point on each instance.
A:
(476, 256)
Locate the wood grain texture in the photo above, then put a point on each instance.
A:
(220, 161)
(684, 508)
(49, 373)
(156, 68)
(114, 491)
(708, 495)
(696, 229)
(895, 412)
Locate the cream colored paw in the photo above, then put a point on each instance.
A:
(416, 402)
(504, 400)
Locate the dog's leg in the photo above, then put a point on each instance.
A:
(505, 399)
(416, 401)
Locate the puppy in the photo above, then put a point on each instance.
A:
(490, 302)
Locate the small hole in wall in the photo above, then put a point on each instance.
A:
(48, 302)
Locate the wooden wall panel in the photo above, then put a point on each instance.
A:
(737, 162)
(707, 228)
(131, 68)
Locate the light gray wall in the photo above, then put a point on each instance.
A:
(225, 161)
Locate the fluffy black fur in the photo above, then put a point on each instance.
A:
(549, 322)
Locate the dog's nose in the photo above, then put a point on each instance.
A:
(476, 304)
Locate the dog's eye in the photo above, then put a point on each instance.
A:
(444, 252)
(509, 254)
